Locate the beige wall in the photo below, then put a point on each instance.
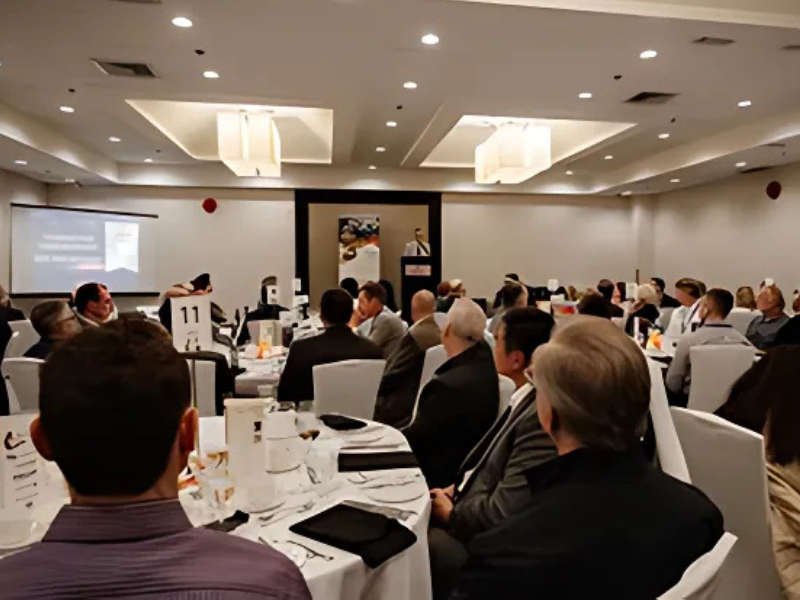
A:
(21, 190)
(397, 228)
(729, 233)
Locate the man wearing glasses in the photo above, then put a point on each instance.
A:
(54, 322)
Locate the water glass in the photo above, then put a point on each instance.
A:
(322, 462)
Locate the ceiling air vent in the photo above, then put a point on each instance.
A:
(123, 69)
(651, 98)
(792, 48)
(754, 170)
(713, 41)
(775, 145)
(139, 1)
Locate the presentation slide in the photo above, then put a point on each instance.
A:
(55, 250)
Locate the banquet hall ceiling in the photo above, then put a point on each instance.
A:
(352, 57)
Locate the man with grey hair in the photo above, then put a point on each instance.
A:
(458, 406)
(54, 322)
(603, 522)
(400, 383)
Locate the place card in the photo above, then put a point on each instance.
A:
(191, 323)
(21, 467)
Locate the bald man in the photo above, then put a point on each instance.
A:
(400, 383)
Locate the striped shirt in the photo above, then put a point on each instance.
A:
(146, 550)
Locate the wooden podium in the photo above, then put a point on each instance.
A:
(416, 273)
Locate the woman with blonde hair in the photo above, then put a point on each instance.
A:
(745, 299)
(643, 307)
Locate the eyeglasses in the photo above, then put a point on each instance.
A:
(72, 317)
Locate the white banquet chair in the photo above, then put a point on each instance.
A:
(349, 387)
(507, 389)
(22, 375)
(25, 338)
(727, 463)
(668, 446)
(204, 386)
(435, 357)
(740, 319)
(715, 369)
(700, 580)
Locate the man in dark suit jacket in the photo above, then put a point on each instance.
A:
(602, 522)
(491, 485)
(458, 406)
(55, 323)
(400, 383)
(664, 299)
(337, 343)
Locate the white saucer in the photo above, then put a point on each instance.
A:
(37, 533)
(397, 494)
(297, 554)
(363, 439)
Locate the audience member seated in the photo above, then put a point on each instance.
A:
(490, 485)
(199, 286)
(266, 311)
(714, 331)
(513, 278)
(55, 323)
(513, 295)
(789, 334)
(763, 331)
(745, 300)
(116, 418)
(764, 400)
(455, 290)
(6, 310)
(458, 406)
(643, 307)
(602, 522)
(5, 337)
(385, 328)
(608, 290)
(400, 383)
(594, 305)
(391, 303)
(335, 344)
(350, 285)
(664, 299)
(688, 292)
(93, 304)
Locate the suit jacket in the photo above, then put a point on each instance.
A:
(400, 383)
(600, 525)
(40, 349)
(497, 488)
(337, 343)
(456, 409)
(789, 334)
(12, 314)
(668, 301)
(5, 337)
(385, 331)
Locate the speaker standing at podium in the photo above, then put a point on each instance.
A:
(419, 247)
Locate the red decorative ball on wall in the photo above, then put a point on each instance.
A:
(774, 190)
(209, 205)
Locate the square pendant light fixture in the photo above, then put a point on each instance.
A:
(513, 154)
(249, 144)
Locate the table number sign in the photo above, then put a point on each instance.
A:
(21, 477)
(191, 323)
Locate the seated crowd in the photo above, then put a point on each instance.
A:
(530, 492)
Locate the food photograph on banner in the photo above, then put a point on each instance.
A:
(359, 248)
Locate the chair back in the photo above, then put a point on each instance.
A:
(727, 463)
(204, 386)
(349, 387)
(740, 320)
(435, 357)
(668, 446)
(22, 375)
(507, 389)
(25, 337)
(715, 368)
(700, 580)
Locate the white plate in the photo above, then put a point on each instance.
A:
(293, 552)
(37, 533)
(364, 439)
(397, 494)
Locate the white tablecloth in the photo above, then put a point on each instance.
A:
(258, 372)
(404, 577)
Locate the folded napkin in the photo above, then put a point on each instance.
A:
(342, 423)
(376, 461)
(373, 537)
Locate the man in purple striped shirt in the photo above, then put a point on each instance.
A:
(116, 418)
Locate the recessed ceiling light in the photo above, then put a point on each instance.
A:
(69, 181)
(211, 75)
(114, 139)
(674, 180)
(648, 54)
(430, 39)
(380, 149)
(21, 163)
(410, 85)
(739, 165)
(626, 193)
(391, 123)
(569, 172)
(663, 136)
(148, 160)
(67, 109)
(745, 104)
(182, 22)
(585, 95)
(372, 167)
(608, 157)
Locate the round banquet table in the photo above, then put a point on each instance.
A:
(346, 577)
